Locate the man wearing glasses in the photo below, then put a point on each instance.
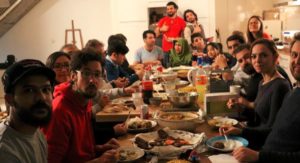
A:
(69, 134)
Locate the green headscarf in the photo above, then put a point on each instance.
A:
(183, 58)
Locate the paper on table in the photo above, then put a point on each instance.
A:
(222, 158)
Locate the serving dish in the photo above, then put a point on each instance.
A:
(178, 120)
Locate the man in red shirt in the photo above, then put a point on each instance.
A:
(171, 27)
(69, 134)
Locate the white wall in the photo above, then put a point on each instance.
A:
(42, 30)
(234, 14)
(134, 21)
(290, 17)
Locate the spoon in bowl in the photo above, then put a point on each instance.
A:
(225, 136)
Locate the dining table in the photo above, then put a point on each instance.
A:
(210, 131)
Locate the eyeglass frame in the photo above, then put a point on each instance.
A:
(87, 74)
(60, 66)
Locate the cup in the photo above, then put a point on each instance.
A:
(137, 95)
(236, 89)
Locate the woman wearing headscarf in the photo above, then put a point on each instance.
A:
(180, 53)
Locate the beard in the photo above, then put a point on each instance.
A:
(170, 14)
(249, 69)
(90, 91)
(27, 115)
(294, 73)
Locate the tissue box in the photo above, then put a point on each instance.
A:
(215, 103)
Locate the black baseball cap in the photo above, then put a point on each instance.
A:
(23, 68)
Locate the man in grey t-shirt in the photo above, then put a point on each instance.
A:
(149, 54)
(28, 86)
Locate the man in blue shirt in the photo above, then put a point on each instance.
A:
(116, 56)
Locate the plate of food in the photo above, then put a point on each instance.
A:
(129, 154)
(166, 142)
(122, 100)
(219, 143)
(138, 125)
(218, 121)
(115, 108)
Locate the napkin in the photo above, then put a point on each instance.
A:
(222, 158)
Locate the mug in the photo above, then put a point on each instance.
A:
(235, 89)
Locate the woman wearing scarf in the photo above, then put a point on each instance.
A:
(180, 54)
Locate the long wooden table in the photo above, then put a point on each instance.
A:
(204, 127)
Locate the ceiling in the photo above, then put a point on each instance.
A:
(10, 15)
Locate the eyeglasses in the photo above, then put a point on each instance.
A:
(87, 74)
(61, 66)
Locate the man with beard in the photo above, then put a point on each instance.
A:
(69, 133)
(28, 91)
(282, 144)
(192, 25)
(171, 26)
(250, 86)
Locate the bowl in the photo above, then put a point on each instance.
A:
(181, 100)
(178, 120)
(156, 101)
(181, 84)
(168, 76)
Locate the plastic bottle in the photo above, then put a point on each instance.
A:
(201, 81)
(147, 87)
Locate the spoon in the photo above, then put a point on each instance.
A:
(225, 136)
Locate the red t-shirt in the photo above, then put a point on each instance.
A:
(69, 134)
(267, 36)
(176, 26)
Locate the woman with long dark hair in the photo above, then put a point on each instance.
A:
(255, 29)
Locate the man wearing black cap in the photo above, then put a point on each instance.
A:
(28, 91)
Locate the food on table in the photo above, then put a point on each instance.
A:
(163, 140)
(182, 73)
(222, 121)
(219, 145)
(178, 161)
(142, 143)
(166, 105)
(127, 155)
(176, 116)
(162, 134)
(129, 103)
(138, 123)
(187, 89)
(115, 108)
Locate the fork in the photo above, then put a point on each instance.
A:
(128, 116)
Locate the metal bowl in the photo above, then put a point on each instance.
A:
(181, 100)
(181, 84)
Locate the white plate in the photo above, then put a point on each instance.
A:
(141, 130)
(181, 68)
(170, 150)
(233, 142)
(224, 121)
(121, 100)
(138, 153)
